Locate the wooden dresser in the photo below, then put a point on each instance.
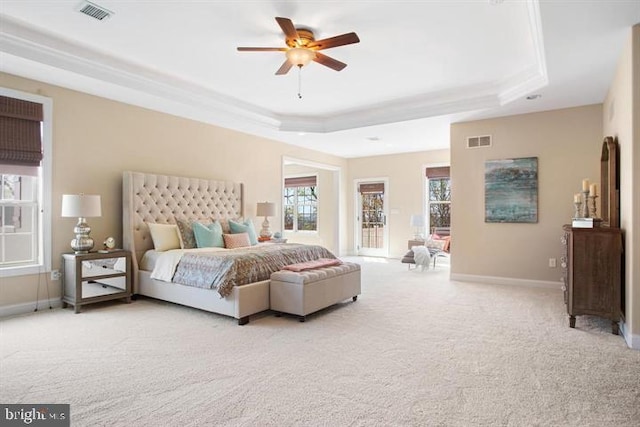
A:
(592, 273)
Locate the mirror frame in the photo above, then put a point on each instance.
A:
(610, 183)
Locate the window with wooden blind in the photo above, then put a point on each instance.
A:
(439, 196)
(301, 203)
(24, 176)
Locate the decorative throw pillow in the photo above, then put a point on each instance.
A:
(208, 235)
(185, 227)
(164, 236)
(436, 244)
(447, 240)
(237, 240)
(245, 227)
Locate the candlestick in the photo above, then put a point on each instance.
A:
(592, 205)
(576, 212)
(576, 198)
(585, 185)
(585, 207)
(593, 190)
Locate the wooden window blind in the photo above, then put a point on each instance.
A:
(20, 134)
(439, 172)
(302, 181)
(377, 187)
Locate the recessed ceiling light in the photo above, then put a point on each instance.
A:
(302, 133)
(373, 138)
(535, 96)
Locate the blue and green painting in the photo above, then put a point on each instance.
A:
(511, 190)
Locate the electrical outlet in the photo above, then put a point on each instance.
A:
(552, 263)
(55, 274)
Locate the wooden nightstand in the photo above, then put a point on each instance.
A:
(94, 277)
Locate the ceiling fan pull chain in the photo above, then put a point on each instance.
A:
(299, 81)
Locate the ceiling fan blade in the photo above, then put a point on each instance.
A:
(284, 68)
(336, 41)
(262, 49)
(288, 29)
(334, 64)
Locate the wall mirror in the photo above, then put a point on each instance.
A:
(610, 183)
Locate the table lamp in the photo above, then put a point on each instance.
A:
(418, 221)
(81, 206)
(266, 209)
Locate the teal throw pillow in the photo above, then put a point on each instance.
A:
(208, 235)
(245, 227)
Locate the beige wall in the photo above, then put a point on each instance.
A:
(567, 144)
(621, 118)
(405, 195)
(95, 139)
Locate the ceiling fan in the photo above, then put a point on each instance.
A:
(303, 47)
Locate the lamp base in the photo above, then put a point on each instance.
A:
(265, 232)
(82, 244)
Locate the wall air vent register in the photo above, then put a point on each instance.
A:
(94, 11)
(479, 141)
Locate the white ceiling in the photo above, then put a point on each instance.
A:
(419, 66)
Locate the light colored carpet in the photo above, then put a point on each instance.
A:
(414, 350)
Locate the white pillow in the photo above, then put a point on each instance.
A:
(164, 236)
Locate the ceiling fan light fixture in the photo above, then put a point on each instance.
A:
(300, 56)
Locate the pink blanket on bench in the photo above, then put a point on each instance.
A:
(310, 265)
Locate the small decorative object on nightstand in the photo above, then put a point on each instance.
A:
(95, 277)
(109, 245)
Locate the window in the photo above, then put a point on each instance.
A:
(25, 183)
(18, 220)
(439, 197)
(301, 204)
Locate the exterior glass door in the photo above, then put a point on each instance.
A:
(372, 219)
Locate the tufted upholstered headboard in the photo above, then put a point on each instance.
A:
(161, 199)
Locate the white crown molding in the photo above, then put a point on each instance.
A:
(22, 40)
(25, 41)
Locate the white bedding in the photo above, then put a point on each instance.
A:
(163, 264)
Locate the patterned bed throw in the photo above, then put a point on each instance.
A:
(223, 271)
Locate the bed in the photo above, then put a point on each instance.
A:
(160, 199)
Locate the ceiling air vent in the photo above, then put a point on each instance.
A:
(479, 141)
(94, 11)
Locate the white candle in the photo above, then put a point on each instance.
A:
(576, 198)
(593, 190)
(585, 185)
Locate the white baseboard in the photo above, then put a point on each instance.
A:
(633, 341)
(29, 307)
(494, 280)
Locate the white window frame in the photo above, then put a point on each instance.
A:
(43, 264)
(295, 217)
(426, 203)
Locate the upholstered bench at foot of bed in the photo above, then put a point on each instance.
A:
(308, 291)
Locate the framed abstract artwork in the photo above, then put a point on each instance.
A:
(511, 190)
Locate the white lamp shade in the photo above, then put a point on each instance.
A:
(81, 205)
(418, 220)
(266, 209)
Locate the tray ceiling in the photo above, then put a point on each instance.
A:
(419, 65)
